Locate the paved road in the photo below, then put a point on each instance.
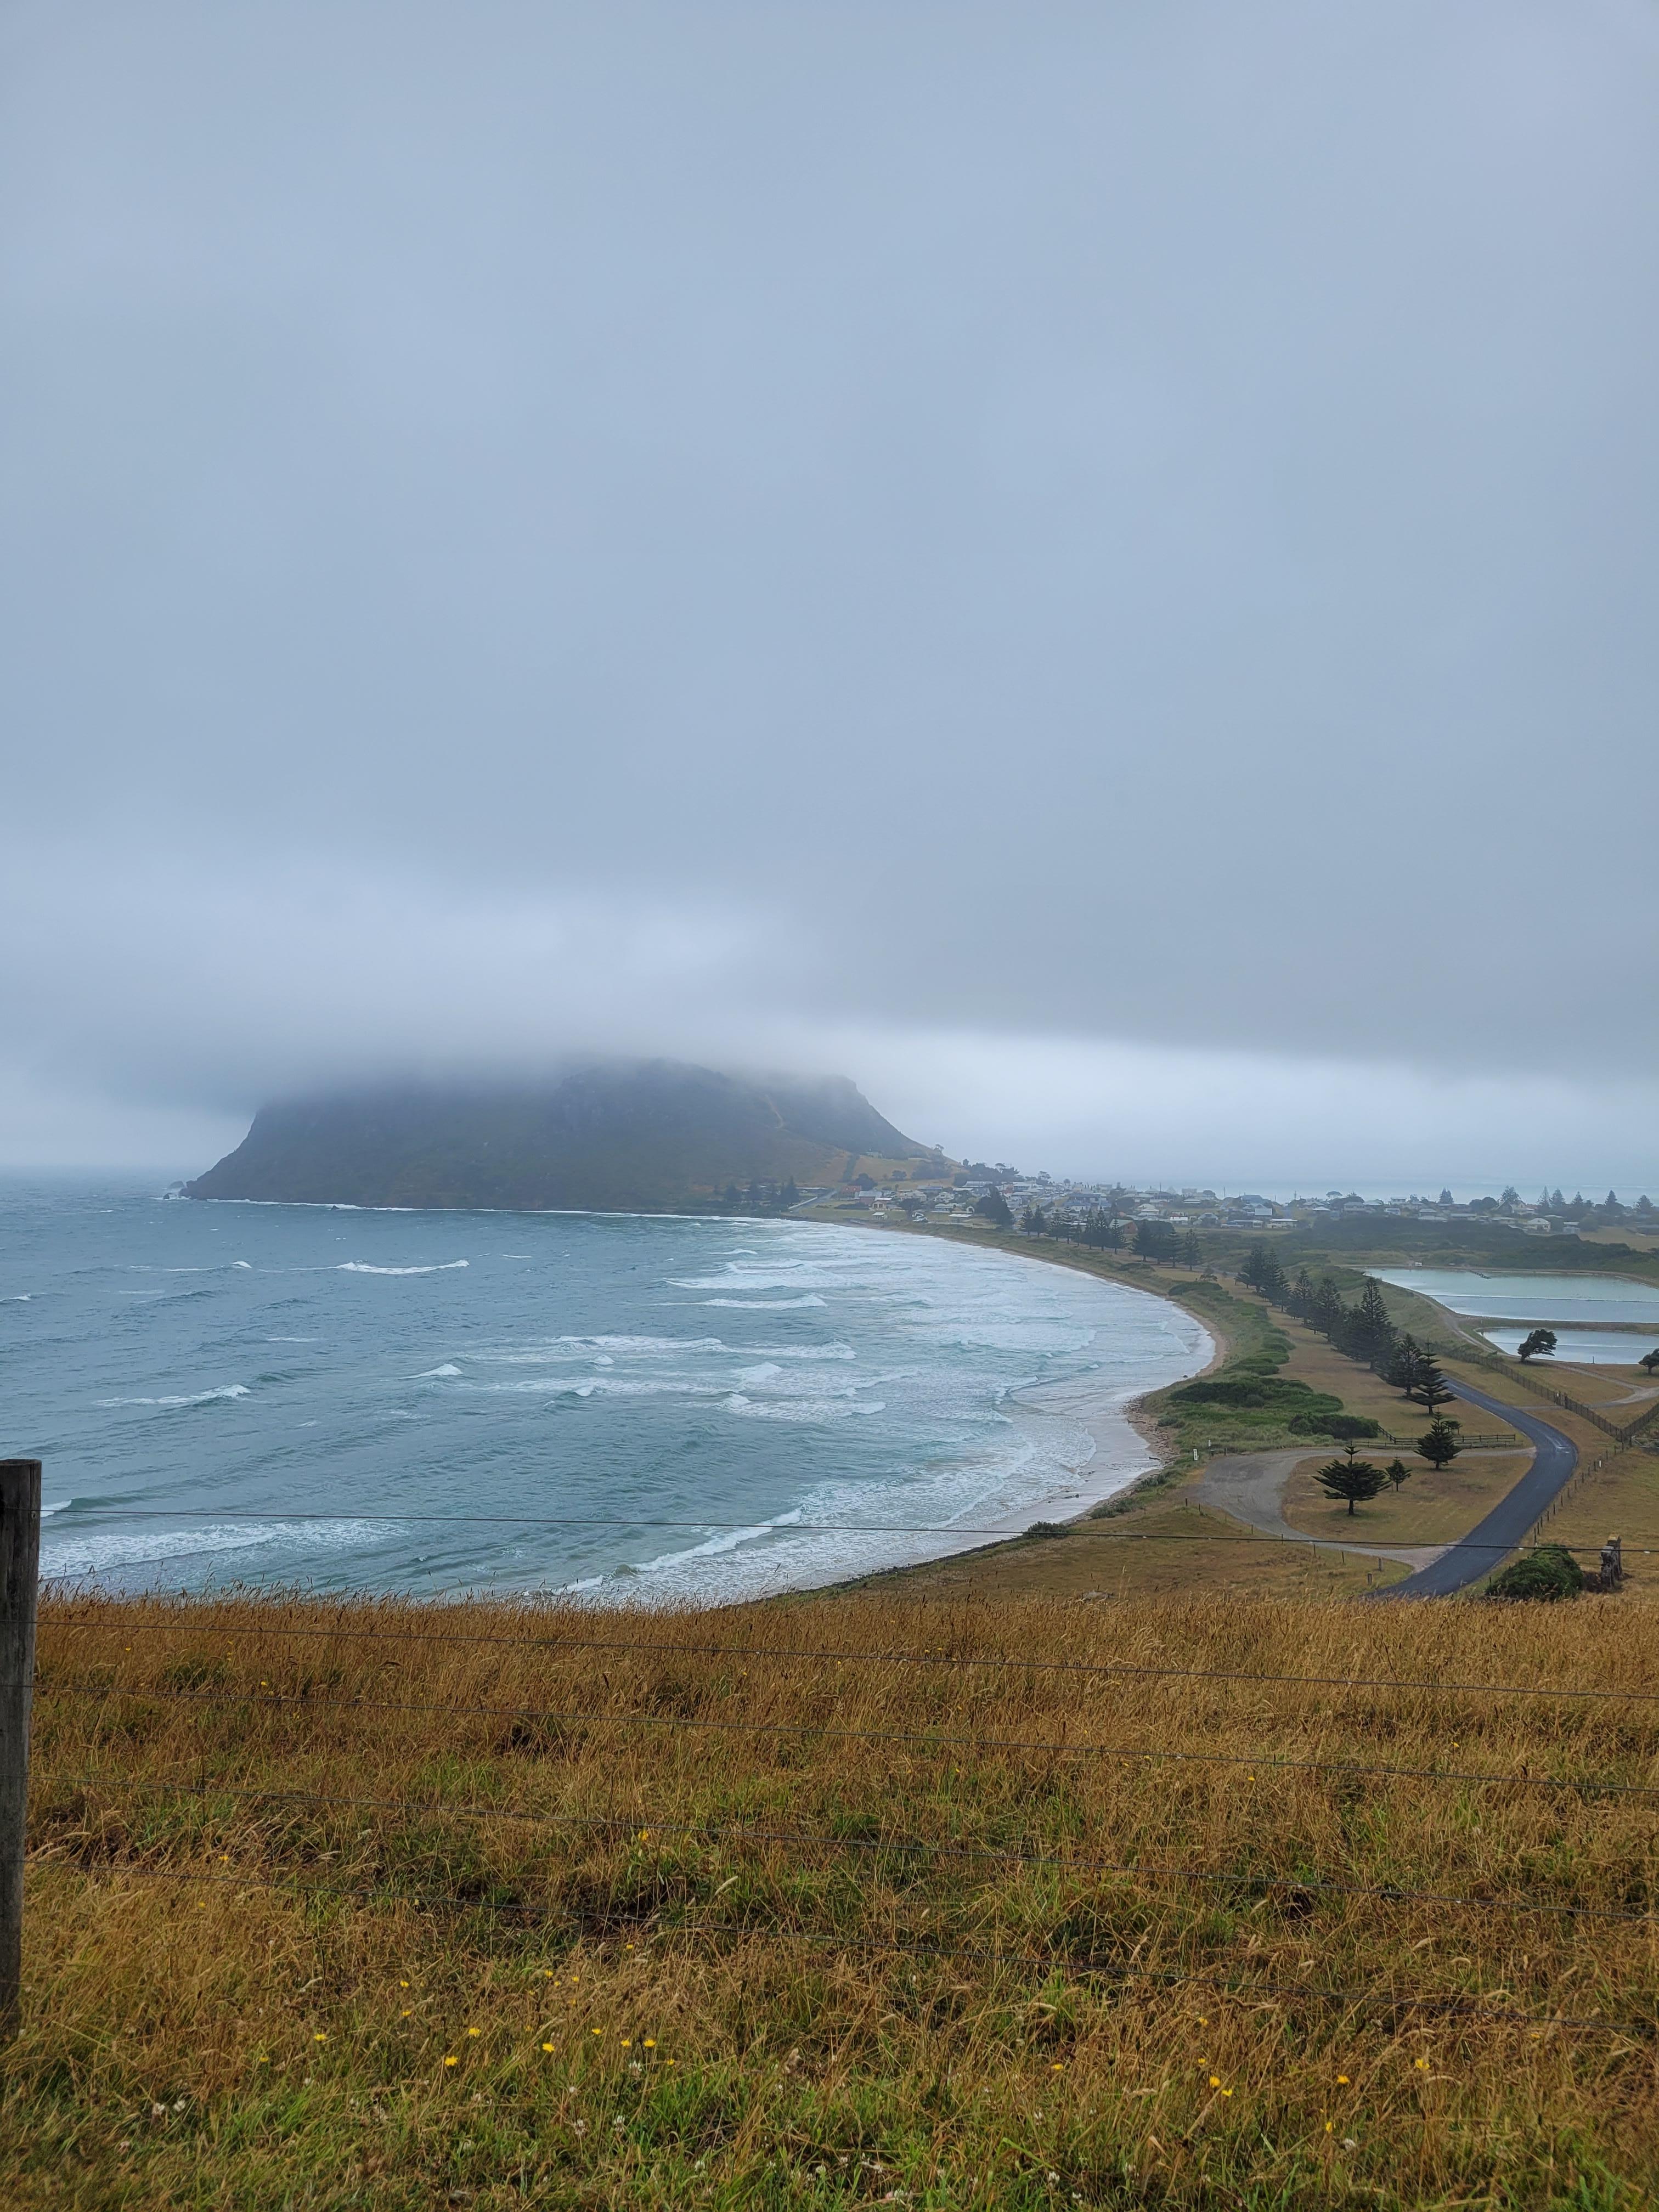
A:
(1555, 1457)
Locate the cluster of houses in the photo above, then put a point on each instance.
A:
(958, 1198)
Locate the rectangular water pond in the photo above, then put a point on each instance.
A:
(1547, 1299)
(1593, 1347)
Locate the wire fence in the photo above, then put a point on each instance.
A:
(587, 1718)
(1109, 1670)
(1089, 1528)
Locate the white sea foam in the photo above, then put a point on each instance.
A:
(436, 1374)
(724, 1540)
(795, 1351)
(766, 1305)
(599, 1385)
(799, 1409)
(108, 1551)
(195, 1397)
(789, 1277)
(248, 1264)
(365, 1267)
(591, 1347)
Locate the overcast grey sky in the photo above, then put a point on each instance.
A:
(1092, 566)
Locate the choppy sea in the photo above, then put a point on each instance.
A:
(627, 1408)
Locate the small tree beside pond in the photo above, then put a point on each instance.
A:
(1540, 1340)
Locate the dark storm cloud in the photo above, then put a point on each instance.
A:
(533, 525)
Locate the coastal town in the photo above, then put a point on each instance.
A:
(972, 1193)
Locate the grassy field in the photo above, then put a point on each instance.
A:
(1430, 1508)
(851, 1901)
(1163, 1544)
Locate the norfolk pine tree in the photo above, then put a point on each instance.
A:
(1438, 1442)
(1354, 1478)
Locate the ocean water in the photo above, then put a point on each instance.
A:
(1539, 1298)
(627, 1408)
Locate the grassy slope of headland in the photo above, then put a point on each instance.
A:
(337, 1906)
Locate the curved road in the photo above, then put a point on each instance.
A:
(1555, 1457)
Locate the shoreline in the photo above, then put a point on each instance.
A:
(1108, 1419)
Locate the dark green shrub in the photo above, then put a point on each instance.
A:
(1549, 1573)
(1344, 1427)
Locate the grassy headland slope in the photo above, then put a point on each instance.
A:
(838, 1902)
(657, 1136)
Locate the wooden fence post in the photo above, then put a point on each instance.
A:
(20, 1564)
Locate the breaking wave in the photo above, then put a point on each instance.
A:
(367, 1267)
(194, 1398)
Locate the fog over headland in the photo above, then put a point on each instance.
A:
(1092, 570)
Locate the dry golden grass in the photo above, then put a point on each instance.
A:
(1429, 1507)
(1168, 1546)
(324, 1910)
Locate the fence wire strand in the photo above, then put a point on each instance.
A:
(1104, 1670)
(1053, 1749)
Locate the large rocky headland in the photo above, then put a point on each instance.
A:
(652, 1136)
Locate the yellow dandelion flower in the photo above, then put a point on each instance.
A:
(628, 2043)
(1343, 2079)
(403, 1985)
(1226, 2092)
(1058, 2067)
(1215, 2081)
(1422, 2065)
(452, 2061)
(598, 2031)
(1327, 2127)
(547, 2046)
(650, 2042)
(320, 2037)
(406, 2013)
(475, 2031)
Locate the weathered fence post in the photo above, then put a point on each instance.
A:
(20, 1563)
(1612, 1564)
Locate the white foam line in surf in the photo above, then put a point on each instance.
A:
(194, 1398)
(766, 1305)
(73, 1558)
(367, 1267)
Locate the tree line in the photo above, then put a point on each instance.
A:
(1363, 1331)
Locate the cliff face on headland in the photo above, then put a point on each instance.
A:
(653, 1136)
